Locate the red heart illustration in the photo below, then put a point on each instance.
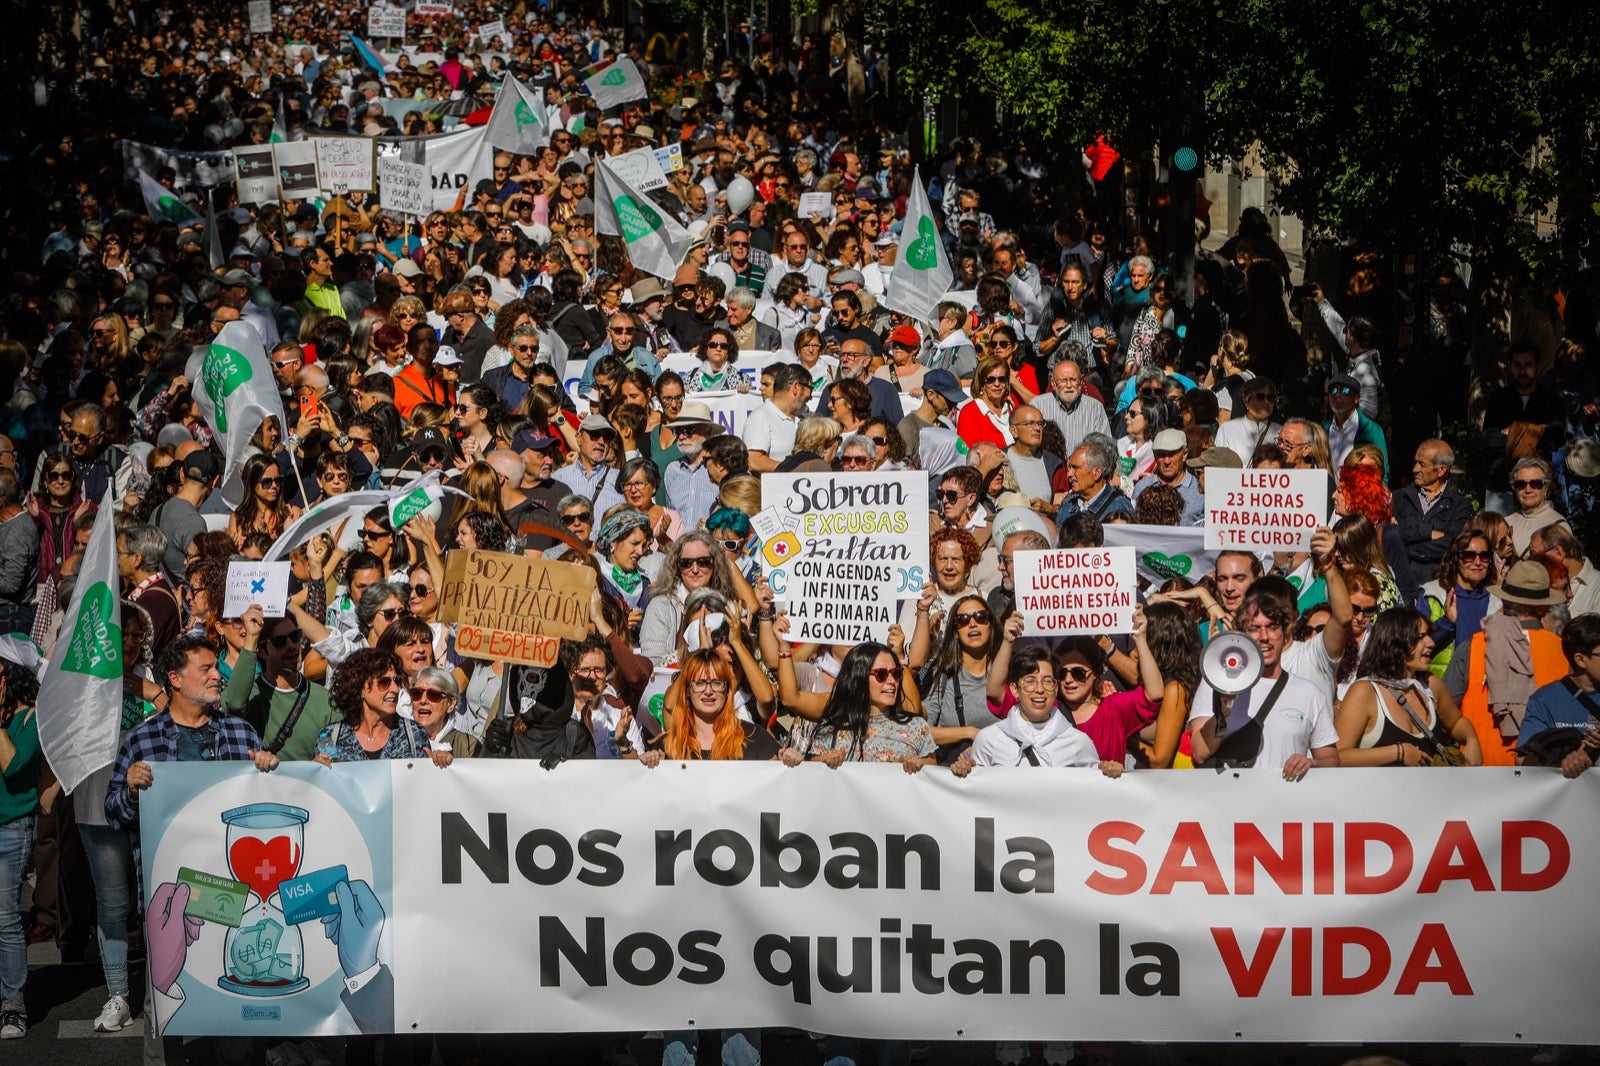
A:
(262, 864)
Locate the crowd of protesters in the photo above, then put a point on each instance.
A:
(505, 344)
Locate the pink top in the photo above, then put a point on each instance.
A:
(1119, 716)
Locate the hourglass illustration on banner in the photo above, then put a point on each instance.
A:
(264, 955)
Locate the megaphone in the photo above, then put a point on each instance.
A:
(1231, 663)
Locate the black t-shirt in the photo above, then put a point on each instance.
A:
(758, 744)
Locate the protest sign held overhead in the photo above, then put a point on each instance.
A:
(512, 608)
(344, 164)
(1075, 591)
(386, 21)
(1264, 510)
(517, 123)
(843, 549)
(257, 179)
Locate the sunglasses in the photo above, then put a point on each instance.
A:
(967, 618)
(698, 562)
(281, 363)
(723, 345)
(731, 545)
(882, 674)
(374, 534)
(429, 695)
(270, 482)
(389, 614)
(575, 519)
(85, 438)
(997, 379)
(1476, 557)
(948, 495)
(59, 475)
(421, 591)
(1532, 483)
(283, 640)
(1340, 390)
(883, 442)
(386, 680)
(1365, 612)
(1312, 631)
(1076, 673)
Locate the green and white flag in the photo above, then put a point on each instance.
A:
(616, 85)
(922, 272)
(403, 504)
(80, 698)
(233, 383)
(656, 243)
(163, 205)
(517, 123)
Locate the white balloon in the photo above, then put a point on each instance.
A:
(740, 193)
(724, 273)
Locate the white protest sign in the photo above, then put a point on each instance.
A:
(260, 16)
(670, 158)
(490, 30)
(640, 168)
(842, 549)
(386, 21)
(1264, 510)
(254, 582)
(450, 157)
(814, 203)
(731, 410)
(404, 187)
(433, 8)
(297, 169)
(1072, 591)
(257, 177)
(345, 163)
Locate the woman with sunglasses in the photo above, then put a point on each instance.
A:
(265, 508)
(55, 512)
(1531, 481)
(477, 409)
(622, 543)
(715, 372)
(366, 693)
(988, 417)
(695, 561)
(734, 532)
(1144, 418)
(1364, 595)
(434, 697)
(1457, 600)
(576, 514)
(1113, 720)
(407, 312)
(867, 717)
(954, 682)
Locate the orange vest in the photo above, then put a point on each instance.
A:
(1549, 664)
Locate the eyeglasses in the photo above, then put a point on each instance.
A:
(575, 519)
(882, 674)
(967, 618)
(386, 681)
(397, 314)
(422, 591)
(695, 562)
(673, 400)
(283, 640)
(1280, 442)
(709, 684)
(855, 460)
(389, 614)
(530, 348)
(1037, 684)
(882, 442)
(1033, 424)
(374, 534)
(738, 244)
(429, 695)
(59, 475)
(1530, 483)
(590, 671)
(335, 476)
(1365, 612)
(1312, 631)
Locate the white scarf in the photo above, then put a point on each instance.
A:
(1038, 737)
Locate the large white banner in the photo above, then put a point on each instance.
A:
(453, 161)
(1019, 903)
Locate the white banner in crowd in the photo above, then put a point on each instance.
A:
(1264, 510)
(640, 168)
(1164, 552)
(1075, 591)
(842, 550)
(260, 16)
(452, 158)
(1018, 904)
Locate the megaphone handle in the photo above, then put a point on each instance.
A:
(1223, 706)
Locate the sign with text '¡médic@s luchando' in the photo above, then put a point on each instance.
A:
(512, 608)
(1075, 591)
(1264, 510)
(842, 549)
(1016, 904)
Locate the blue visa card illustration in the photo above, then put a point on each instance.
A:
(307, 898)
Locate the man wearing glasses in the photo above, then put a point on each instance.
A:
(855, 361)
(749, 264)
(1350, 425)
(689, 488)
(510, 382)
(797, 260)
(622, 336)
(284, 707)
(590, 472)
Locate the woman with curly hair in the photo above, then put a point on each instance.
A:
(1397, 713)
(715, 372)
(952, 553)
(1361, 491)
(265, 508)
(366, 692)
(891, 445)
(849, 404)
(1174, 643)
(694, 561)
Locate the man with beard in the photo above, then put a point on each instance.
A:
(690, 490)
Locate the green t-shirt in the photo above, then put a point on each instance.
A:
(19, 782)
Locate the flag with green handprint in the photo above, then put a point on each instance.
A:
(163, 204)
(518, 122)
(616, 84)
(656, 242)
(922, 272)
(80, 696)
(233, 384)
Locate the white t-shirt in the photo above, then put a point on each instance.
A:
(771, 431)
(1300, 721)
(1309, 659)
(1245, 436)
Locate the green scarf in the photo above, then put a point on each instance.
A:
(626, 581)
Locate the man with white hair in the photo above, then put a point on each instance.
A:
(748, 334)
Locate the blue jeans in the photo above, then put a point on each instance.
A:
(740, 1047)
(110, 857)
(16, 844)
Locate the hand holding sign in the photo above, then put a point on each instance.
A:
(252, 582)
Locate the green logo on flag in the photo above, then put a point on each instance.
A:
(173, 209)
(408, 507)
(95, 647)
(524, 115)
(614, 77)
(223, 371)
(1168, 565)
(638, 220)
(923, 252)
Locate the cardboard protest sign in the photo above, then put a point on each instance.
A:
(345, 164)
(843, 549)
(670, 158)
(1071, 591)
(512, 608)
(1264, 510)
(256, 582)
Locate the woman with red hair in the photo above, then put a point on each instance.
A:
(700, 720)
(1362, 492)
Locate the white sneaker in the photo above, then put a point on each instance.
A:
(13, 1025)
(114, 1016)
